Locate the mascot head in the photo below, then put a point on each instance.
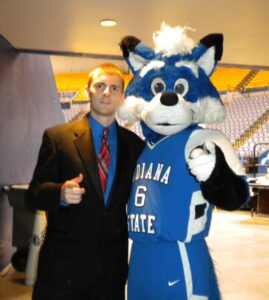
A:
(171, 88)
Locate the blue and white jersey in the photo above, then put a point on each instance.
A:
(166, 203)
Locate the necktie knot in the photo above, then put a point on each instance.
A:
(105, 134)
(105, 131)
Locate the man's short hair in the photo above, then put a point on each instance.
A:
(105, 68)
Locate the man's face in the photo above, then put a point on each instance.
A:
(106, 94)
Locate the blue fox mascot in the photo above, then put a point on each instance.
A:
(184, 169)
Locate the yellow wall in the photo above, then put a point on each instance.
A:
(224, 79)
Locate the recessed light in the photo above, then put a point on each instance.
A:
(108, 22)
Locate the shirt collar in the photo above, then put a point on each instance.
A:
(98, 128)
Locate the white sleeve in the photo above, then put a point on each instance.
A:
(200, 136)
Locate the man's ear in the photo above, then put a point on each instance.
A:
(122, 97)
(88, 92)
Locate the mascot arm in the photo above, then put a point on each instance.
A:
(221, 176)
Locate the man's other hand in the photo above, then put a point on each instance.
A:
(71, 192)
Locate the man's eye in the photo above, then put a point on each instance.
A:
(115, 88)
(99, 86)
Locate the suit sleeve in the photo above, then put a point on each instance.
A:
(44, 189)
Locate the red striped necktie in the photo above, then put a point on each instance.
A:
(104, 159)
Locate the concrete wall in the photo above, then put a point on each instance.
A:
(28, 104)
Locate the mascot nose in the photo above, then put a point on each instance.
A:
(169, 98)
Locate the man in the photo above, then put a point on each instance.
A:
(84, 255)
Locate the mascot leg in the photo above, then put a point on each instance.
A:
(200, 273)
(171, 270)
(155, 272)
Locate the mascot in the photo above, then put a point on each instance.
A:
(184, 170)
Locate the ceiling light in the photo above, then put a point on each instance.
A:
(108, 23)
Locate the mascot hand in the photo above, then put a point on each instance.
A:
(202, 161)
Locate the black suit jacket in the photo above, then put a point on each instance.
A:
(85, 244)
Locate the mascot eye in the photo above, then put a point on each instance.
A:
(181, 86)
(157, 86)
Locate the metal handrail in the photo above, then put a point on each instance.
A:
(254, 158)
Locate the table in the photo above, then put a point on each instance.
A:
(261, 195)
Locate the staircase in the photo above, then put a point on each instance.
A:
(253, 129)
(241, 87)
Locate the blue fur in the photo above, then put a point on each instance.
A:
(149, 134)
(199, 86)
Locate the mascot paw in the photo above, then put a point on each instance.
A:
(202, 161)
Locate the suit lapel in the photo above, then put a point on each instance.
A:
(123, 159)
(85, 148)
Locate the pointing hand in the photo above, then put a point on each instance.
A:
(71, 192)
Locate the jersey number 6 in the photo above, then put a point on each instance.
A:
(140, 196)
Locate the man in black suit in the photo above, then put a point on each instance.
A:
(84, 254)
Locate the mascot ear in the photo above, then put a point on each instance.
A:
(213, 43)
(135, 53)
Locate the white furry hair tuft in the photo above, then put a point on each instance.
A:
(208, 111)
(130, 109)
(172, 40)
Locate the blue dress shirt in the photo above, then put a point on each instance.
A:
(97, 133)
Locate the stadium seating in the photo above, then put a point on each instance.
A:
(246, 114)
(247, 121)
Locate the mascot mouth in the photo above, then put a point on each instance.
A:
(166, 124)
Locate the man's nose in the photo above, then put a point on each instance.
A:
(107, 90)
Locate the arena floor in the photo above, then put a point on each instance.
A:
(239, 245)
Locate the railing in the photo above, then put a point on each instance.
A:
(255, 157)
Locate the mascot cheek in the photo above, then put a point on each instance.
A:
(159, 120)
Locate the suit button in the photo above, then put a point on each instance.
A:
(105, 214)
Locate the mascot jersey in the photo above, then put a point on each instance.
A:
(168, 219)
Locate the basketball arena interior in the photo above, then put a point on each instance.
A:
(47, 49)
